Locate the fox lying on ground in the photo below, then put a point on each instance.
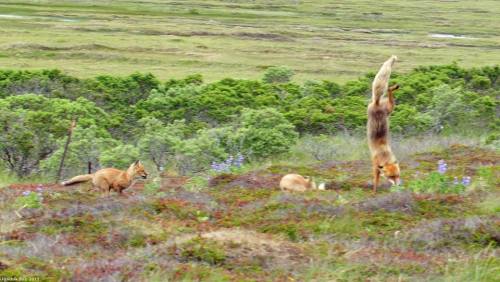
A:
(108, 179)
(298, 183)
(383, 160)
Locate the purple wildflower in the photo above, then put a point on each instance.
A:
(239, 160)
(26, 193)
(227, 164)
(466, 180)
(442, 167)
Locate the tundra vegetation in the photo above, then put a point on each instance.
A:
(213, 209)
(216, 145)
(317, 39)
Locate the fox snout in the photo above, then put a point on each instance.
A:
(396, 181)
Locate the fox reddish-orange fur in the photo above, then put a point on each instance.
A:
(108, 179)
(383, 160)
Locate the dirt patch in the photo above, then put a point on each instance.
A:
(393, 257)
(253, 180)
(393, 202)
(245, 247)
(194, 198)
(173, 182)
(3, 266)
(448, 233)
(348, 174)
(261, 36)
(300, 205)
(460, 156)
(34, 186)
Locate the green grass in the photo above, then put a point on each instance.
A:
(6, 179)
(319, 40)
(233, 231)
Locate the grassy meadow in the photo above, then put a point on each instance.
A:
(239, 226)
(216, 145)
(318, 39)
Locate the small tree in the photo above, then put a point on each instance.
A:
(120, 156)
(278, 75)
(197, 153)
(87, 145)
(158, 142)
(264, 132)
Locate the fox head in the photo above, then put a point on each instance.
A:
(312, 184)
(138, 170)
(391, 173)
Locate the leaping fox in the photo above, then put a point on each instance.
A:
(108, 179)
(383, 160)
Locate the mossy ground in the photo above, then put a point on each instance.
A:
(241, 227)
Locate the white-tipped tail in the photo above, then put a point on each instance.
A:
(78, 179)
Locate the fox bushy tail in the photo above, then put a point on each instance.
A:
(78, 179)
(381, 81)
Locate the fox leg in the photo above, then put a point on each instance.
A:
(376, 178)
(104, 187)
(390, 94)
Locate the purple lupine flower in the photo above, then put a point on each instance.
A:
(442, 166)
(39, 188)
(466, 180)
(226, 165)
(239, 160)
(26, 193)
(214, 165)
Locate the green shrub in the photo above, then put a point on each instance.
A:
(263, 133)
(121, 156)
(278, 75)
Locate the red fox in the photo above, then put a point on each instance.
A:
(383, 160)
(108, 179)
(298, 183)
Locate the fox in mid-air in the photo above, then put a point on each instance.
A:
(383, 160)
(108, 179)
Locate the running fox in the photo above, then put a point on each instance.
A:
(383, 160)
(108, 179)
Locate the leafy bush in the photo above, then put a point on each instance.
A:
(120, 156)
(278, 75)
(31, 126)
(86, 146)
(197, 153)
(139, 110)
(158, 142)
(263, 133)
